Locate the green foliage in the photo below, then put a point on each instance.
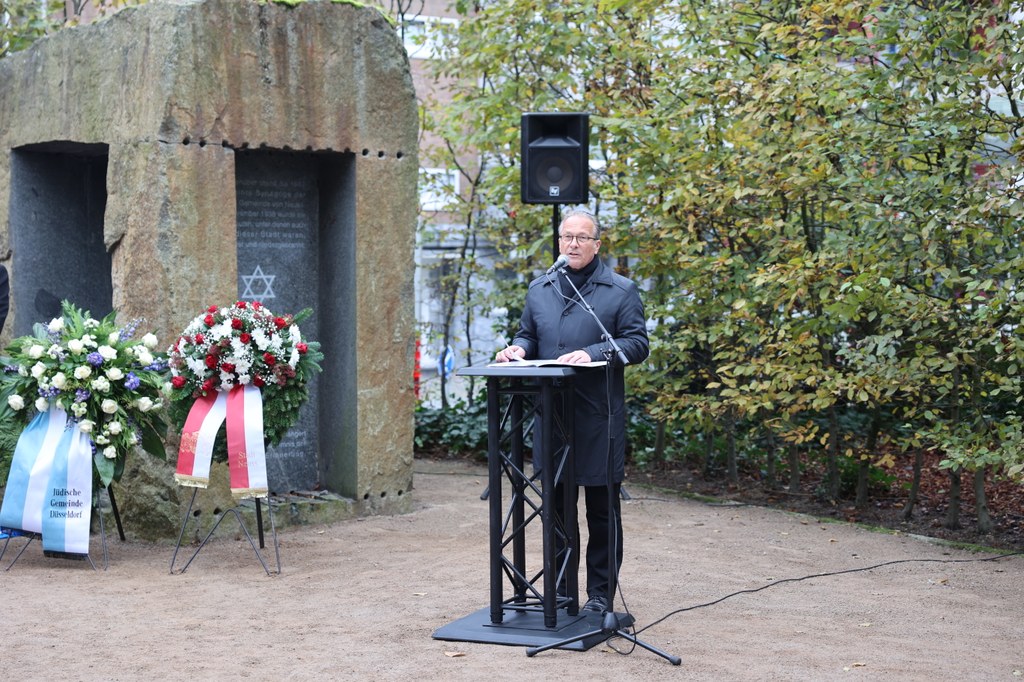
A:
(645, 446)
(458, 430)
(878, 478)
(25, 21)
(823, 201)
(10, 430)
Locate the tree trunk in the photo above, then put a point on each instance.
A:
(709, 453)
(769, 475)
(794, 468)
(732, 471)
(864, 467)
(915, 485)
(441, 373)
(953, 511)
(833, 454)
(659, 442)
(467, 329)
(955, 481)
(452, 287)
(985, 524)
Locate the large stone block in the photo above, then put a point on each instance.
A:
(169, 97)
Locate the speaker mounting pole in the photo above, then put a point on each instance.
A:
(554, 231)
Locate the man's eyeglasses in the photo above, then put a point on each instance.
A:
(579, 239)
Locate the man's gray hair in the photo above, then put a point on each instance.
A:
(573, 212)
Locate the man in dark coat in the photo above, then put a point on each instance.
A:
(555, 325)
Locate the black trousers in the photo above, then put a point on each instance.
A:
(599, 517)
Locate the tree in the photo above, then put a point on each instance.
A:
(22, 22)
(823, 199)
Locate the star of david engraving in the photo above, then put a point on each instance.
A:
(257, 277)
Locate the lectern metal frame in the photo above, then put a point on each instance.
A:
(506, 460)
(535, 612)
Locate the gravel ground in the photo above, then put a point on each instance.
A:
(737, 592)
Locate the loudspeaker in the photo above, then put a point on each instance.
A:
(554, 158)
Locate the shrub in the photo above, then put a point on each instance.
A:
(457, 431)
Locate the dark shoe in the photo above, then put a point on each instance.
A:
(597, 604)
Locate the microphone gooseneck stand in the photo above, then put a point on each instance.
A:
(610, 625)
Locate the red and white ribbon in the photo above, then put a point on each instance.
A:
(247, 458)
(242, 408)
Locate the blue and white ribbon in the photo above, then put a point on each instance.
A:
(49, 487)
(68, 505)
(29, 477)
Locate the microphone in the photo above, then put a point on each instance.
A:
(562, 261)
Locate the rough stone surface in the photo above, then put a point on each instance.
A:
(173, 89)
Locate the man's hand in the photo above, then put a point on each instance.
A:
(576, 357)
(510, 353)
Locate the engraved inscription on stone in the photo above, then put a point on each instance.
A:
(278, 223)
(278, 213)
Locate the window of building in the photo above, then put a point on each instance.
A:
(437, 187)
(420, 36)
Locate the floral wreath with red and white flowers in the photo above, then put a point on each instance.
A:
(244, 344)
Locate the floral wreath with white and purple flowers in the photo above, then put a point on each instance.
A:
(241, 344)
(105, 378)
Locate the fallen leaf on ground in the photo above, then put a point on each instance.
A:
(454, 654)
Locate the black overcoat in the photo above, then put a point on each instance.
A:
(553, 325)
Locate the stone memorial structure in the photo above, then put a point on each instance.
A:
(181, 154)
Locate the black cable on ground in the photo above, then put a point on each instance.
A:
(824, 575)
(635, 632)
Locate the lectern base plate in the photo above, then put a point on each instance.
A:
(527, 629)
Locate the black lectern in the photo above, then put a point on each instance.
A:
(542, 606)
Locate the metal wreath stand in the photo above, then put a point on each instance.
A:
(241, 524)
